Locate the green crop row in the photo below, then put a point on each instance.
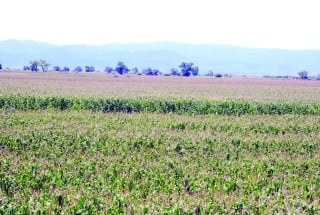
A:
(179, 106)
(83, 162)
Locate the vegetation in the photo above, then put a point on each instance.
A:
(139, 87)
(56, 68)
(44, 65)
(69, 146)
(156, 105)
(210, 73)
(303, 74)
(84, 162)
(26, 68)
(174, 72)
(121, 68)
(78, 69)
(150, 71)
(188, 68)
(135, 70)
(89, 69)
(108, 69)
(35, 64)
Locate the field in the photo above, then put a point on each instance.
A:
(101, 85)
(87, 144)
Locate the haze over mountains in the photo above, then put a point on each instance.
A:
(164, 56)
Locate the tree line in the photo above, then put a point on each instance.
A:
(186, 69)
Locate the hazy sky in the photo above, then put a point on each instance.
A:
(291, 24)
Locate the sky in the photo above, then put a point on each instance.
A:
(286, 24)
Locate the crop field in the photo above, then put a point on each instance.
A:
(101, 85)
(96, 144)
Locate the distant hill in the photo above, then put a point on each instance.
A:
(165, 55)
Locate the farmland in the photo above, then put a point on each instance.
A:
(65, 149)
(101, 85)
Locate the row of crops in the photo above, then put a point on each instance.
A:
(71, 162)
(180, 106)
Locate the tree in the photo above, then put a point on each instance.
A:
(195, 71)
(66, 69)
(78, 69)
(147, 71)
(34, 65)
(56, 69)
(218, 75)
(156, 72)
(210, 73)
(44, 65)
(185, 69)
(89, 69)
(174, 72)
(108, 69)
(303, 74)
(0, 66)
(121, 68)
(188, 68)
(135, 70)
(150, 71)
(26, 68)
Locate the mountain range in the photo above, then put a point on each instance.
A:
(229, 59)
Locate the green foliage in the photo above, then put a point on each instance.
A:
(157, 155)
(84, 162)
(180, 106)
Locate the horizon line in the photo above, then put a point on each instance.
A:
(161, 41)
